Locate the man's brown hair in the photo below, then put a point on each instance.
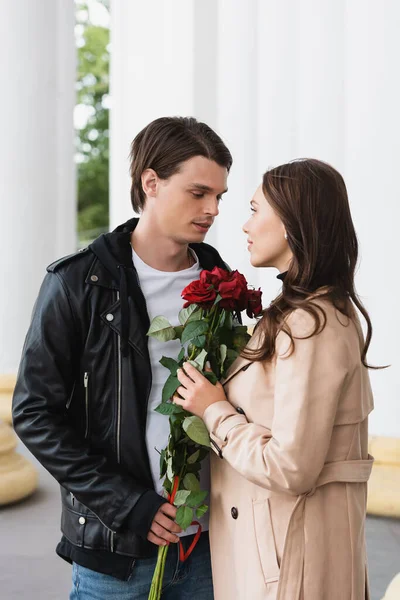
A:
(165, 144)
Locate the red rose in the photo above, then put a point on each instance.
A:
(254, 306)
(233, 292)
(199, 292)
(215, 276)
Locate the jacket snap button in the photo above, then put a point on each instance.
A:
(234, 512)
(109, 317)
(82, 520)
(94, 278)
(240, 410)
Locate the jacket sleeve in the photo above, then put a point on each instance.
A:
(49, 363)
(289, 457)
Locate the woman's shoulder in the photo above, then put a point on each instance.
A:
(320, 321)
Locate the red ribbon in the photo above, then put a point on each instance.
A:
(184, 555)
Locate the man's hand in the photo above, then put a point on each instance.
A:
(163, 527)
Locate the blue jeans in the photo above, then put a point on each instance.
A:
(190, 580)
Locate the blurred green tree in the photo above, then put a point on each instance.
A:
(92, 130)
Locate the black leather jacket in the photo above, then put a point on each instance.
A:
(80, 401)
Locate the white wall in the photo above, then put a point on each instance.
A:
(278, 80)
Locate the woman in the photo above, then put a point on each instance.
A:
(289, 424)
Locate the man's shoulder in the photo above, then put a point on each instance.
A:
(81, 255)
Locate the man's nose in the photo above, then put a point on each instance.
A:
(212, 207)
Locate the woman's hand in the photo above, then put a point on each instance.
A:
(197, 392)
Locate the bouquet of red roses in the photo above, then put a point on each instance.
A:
(209, 331)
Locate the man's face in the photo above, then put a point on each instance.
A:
(185, 205)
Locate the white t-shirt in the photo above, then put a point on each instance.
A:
(162, 291)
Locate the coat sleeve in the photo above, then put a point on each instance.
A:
(289, 457)
(48, 368)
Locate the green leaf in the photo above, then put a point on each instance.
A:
(181, 355)
(217, 299)
(229, 320)
(169, 363)
(223, 350)
(201, 359)
(231, 356)
(186, 313)
(201, 510)
(161, 329)
(178, 332)
(199, 341)
(193, 329)
(196, 316)
(163, 464)
(241, 329)
(170, 473)
(196, 498)
(170, 387)
(184, 516)
(193, 467)
(196, 430)
(193, 457)
(181, 497)
(191, 482)
(211, 377)
(167, 408)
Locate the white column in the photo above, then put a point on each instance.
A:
(37, 189)
(152, 75)
(320, 81)
(237, 123)
(372, 160)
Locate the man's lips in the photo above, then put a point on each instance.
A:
(202, 226)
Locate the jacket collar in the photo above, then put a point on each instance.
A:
(114, 253)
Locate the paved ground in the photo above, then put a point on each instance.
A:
(30, 570)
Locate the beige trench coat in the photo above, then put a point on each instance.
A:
(290, 469)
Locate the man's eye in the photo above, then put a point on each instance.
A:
(197, 195)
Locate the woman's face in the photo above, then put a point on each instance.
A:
(266, 235)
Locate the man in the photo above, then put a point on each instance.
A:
(89, 378)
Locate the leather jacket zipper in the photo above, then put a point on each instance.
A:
(86, 386)
(119, 399)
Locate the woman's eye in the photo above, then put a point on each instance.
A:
(253, 210)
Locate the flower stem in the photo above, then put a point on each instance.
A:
(156, 584)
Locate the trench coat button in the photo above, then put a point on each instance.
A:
(240, 410)
(110, 317)
(82, 520)
(94, 278)
(234, 512)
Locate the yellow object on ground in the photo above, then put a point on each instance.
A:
(393, 591)
(7, 384)
(384, 484)
(18, 477)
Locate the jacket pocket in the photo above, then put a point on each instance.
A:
(265, 540)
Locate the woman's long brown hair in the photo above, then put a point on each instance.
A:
(310, 197)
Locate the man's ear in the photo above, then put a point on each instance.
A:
(149, 182)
